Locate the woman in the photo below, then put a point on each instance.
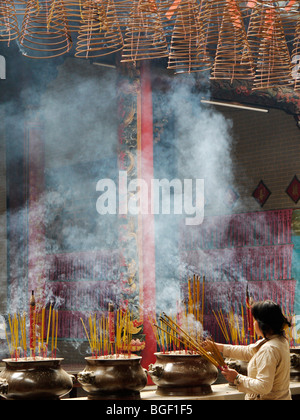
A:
(269, 359)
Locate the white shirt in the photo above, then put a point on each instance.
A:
(268, 369)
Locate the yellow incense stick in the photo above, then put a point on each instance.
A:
(86, 333)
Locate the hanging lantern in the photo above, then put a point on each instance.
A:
(45, 32)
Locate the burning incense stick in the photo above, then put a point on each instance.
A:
(194, 306)
(213, 356)
(17, 337)
(111, 334)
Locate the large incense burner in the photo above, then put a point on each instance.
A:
(113, 376)
(35, 379)
(182, 374)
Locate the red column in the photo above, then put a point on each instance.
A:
(148, 233)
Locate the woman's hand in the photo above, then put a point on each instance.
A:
(207, 345)
(230, 374)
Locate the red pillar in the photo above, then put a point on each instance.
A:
(147, 220)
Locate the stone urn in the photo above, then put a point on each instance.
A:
(182, 374)
(3, 387)
(113, 377)
(35, 379)
(295, 364)
(239, 365)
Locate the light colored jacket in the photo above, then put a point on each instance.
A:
(268, 369)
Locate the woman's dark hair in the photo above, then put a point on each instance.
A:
(269, 317)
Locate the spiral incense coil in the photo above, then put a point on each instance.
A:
(233, 57)
(273, 64)
(122, 8)
(100, 32)
(20, 6)
(144, 37)
(246, 8)
(8, 21)
(256, 27)
(290, 14)
(45, 32)
(296, 58)
(168, 13)
(188, 49)
(212, 16)
(73, 11)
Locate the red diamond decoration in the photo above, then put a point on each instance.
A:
(293, 190)
(261, 193)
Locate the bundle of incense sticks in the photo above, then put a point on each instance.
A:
(191, 309)
(234, 327)
(237, 326)
(109, 333)
(42, 321)
(170, 328)
(189, 315)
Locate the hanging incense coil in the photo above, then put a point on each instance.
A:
(100, 32)
(8, 21)
(168, 12)
(246, 8)
(290, 13)
(188, 50)
(233, 57)
(273, 63)
(144, 37)
(73, 11)
(256, 27)
(212, 15)
(20, 6)
(45, 32)
(122, 8)
(296, 58)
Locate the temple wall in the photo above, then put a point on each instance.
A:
(266, 147)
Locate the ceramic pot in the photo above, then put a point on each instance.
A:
(35, 379)
(114, 377)
(183, 374)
